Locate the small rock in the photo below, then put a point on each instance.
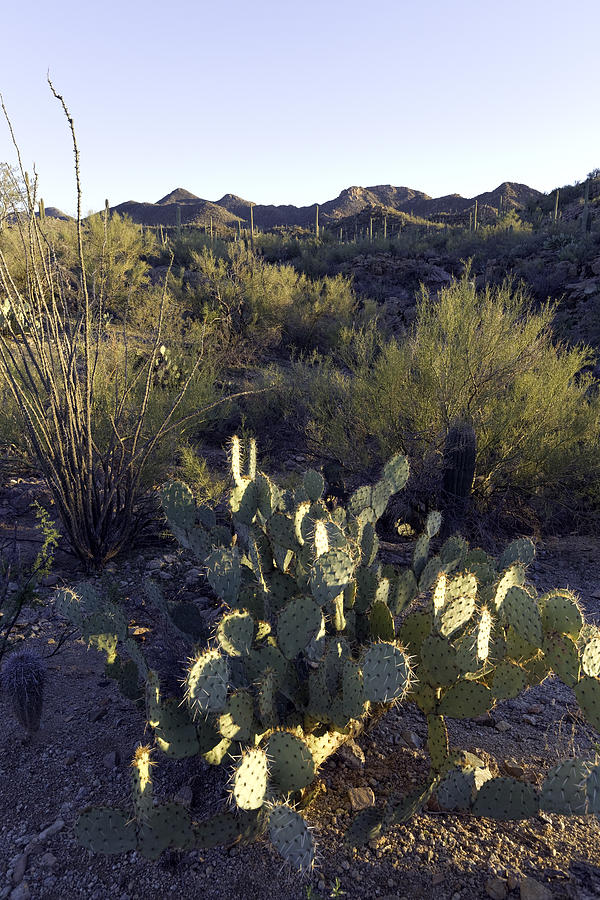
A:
(352, 755)
(411, 739)
(21, 892)
(154, 565)
(112, 760)
(502, 725)
(486, 720)
(535, 710)
(513, 768)
(438, 878)
(70, 758)
(184, 795)
(51, 830)
(191, 579)
(19, 867)
(361, 798)
(496, 888)
(531, 720)
(534, 890)
(48, 860)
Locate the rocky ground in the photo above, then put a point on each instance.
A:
(89, 732)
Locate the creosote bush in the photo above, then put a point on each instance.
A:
(487, 355)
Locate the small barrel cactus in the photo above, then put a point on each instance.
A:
(23, 679)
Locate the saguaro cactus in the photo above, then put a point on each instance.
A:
(458, 471)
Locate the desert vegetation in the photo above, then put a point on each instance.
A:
(352, 438)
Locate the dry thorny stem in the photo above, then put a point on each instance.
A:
(49, 354)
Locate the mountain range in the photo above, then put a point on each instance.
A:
(353, 203)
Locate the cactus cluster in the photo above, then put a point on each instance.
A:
(316, 639)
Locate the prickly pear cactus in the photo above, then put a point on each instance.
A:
(315, 641)
(304, 654)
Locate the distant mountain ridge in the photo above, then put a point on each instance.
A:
(352, 202)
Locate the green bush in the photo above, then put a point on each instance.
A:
(489, 357)
(272, 305)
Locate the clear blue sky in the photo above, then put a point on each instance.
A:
(291, 102)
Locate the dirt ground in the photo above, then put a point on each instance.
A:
(89, 732)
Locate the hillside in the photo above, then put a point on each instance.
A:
(352, 202)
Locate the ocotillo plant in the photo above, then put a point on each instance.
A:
(317, 220)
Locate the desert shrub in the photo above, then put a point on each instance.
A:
(489, 357)
(272, 305)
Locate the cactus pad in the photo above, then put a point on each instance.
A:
(509, 680)
(439, 663)
(506, 799)
(291, 763)
(235, 633)
(459, 788)
(206, 683)
(224, 573)
(587, 693)
(561, 613)
(455, 615)
(564, 788)
(386, 673)
(250, 779)
(314, 485)
(175, 734)
(178, 503)
(465, 699)
(590, 657)
(105, 830)
(330, 574)
(523, 614)
(291, 837)
(381, 622)
(298, 623)
(236, 722)
(403, 591)
(521, 551)
(437, 741)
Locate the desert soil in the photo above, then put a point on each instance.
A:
(89, 732)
